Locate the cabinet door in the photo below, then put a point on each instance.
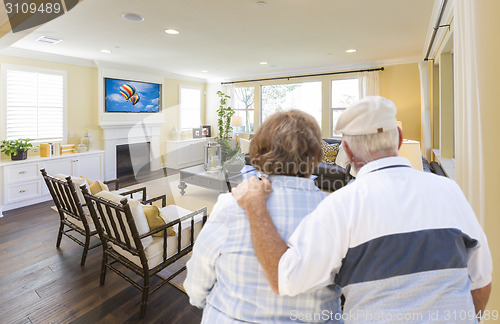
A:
(58, 166)
(89, 166)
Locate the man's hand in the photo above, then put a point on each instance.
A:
(252, 192)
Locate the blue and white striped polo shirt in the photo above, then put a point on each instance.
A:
(404, 245)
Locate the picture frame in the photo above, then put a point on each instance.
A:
(197, 133)
(206, 131)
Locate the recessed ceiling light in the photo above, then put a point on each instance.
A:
(48, 40)
(350, 51)
(204, 71)
(171, 32)
(107, 51)
(263, 63)
(261, 4)
(132, 17)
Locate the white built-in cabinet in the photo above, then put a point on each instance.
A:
(184, 153)
(21, 183)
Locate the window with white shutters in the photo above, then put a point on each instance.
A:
(190, 107)
(34, 104)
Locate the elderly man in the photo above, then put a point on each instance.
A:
(404, 245)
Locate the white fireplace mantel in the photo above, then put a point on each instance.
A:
(119, 134)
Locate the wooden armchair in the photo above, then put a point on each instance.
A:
(73, 213)
(128, 242)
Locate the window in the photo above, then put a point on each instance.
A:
(302, 96)
(244, 108)
(35, 103)
(344, 93)
(190, 107)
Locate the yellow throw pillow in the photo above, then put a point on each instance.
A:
(330, 152)
(155, 220)
(96, 186)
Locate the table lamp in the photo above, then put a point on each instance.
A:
(236, 122)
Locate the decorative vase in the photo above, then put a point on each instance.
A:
(87, 140)
(212, 157)
(234, 168)
(20, 155)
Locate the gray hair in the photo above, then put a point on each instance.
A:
(372, 146)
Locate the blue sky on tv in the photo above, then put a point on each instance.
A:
(148, 94)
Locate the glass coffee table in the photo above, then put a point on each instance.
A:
(218, 181)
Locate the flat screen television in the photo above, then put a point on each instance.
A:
(127, 96)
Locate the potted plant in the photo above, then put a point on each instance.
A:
(17, 149)
(224, 123)
(235, 159)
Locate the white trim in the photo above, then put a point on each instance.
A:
(3, 116)
(18, 52)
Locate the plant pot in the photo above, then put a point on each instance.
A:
(21, 155)
(234, 168)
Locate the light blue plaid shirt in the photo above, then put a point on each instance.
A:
(225, 278)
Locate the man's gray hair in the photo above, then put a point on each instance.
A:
(371, 147)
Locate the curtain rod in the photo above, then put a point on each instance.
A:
(304, 76)
(436, 28)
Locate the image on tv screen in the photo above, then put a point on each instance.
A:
(132, 96)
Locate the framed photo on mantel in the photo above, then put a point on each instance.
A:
(206, 131)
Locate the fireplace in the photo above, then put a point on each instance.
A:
(132, 159)
(146, 136)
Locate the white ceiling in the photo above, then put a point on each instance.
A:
(229, 38)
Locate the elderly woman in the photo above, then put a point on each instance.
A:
(224, 276)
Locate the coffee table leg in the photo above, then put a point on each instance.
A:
(182, 186)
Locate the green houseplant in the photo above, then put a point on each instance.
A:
(17, 149)
(224, 114)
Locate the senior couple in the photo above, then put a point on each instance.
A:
(401, 245)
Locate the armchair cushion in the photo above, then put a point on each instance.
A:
(155, 220)
(245, 145)
(77, 181)
(173, 212)
(330, 152)
(95, 186)
(154, 252)
(89, 219)
(137, 213)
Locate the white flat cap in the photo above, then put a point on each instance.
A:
(370, 115)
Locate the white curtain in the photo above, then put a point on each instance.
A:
(425, 110)
(469, 162)
(368, 84)
(229, 90)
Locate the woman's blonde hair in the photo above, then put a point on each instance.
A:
(287, 143)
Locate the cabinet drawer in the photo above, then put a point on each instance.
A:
(22, 191)
(23, 172)
(190, 179)
(212, 184)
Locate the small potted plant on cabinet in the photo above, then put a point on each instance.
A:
(17, 149)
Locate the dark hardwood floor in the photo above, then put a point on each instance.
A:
(40, 283)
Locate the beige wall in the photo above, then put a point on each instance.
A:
(82, 95)
(401, 84)
(488, 47)
(171, 107)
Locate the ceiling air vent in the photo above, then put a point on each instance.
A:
(48, 40)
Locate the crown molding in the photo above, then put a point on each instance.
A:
(17, 52)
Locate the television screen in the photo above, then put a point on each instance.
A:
(131, 96)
